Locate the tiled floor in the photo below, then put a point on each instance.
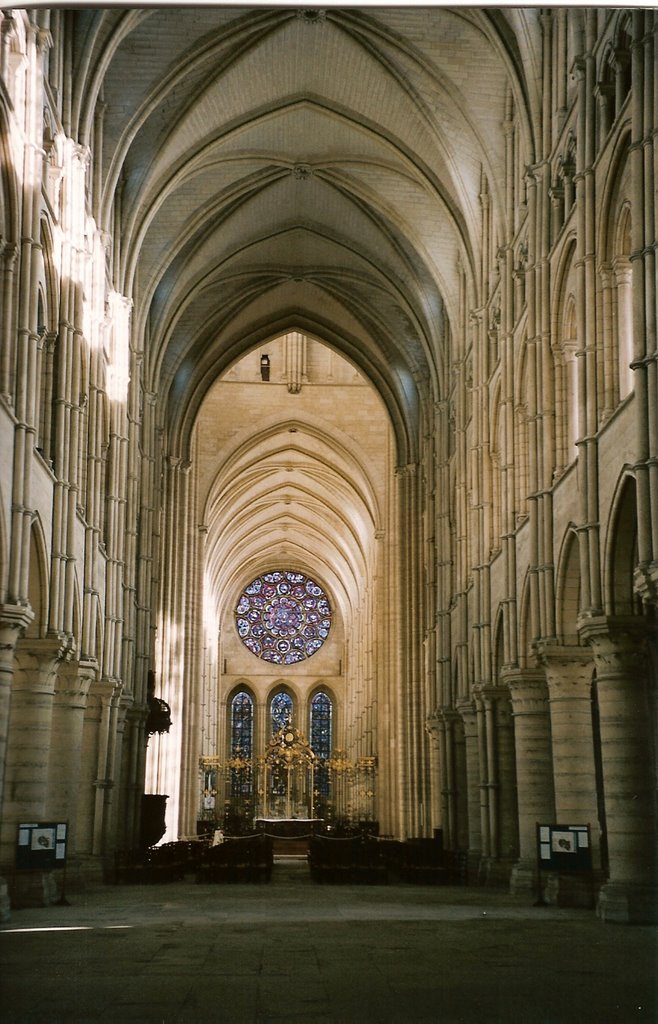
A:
(296, 951)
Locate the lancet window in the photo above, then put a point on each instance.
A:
(320, 731)
(281, 709)
(242, 724)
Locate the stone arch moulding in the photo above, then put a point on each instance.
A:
(9, 223)
(615, 193)
(243, 685)
(247, 439)
(526, 637)
(182, 409)
(498, 646)
(620, 553)
(39, 579)
(567, 588)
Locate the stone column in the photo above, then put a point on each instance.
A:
(534, 780)
(626, 716)
(28, 747)
(14, 620)
(8, 257)
(97, 773)
(466, 710)
(497, 783)
(446, 720)
(64, 765)
(569, 672)
(434, 726)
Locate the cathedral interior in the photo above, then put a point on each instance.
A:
(329, 436)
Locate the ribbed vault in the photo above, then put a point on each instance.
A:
(291, 488)
(297, 169)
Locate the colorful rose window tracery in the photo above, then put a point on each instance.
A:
(283, 617)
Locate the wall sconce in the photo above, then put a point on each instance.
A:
(265, 367)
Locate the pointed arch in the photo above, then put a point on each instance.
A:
(568, 589)
(241, 708)
(621, 553)
(38, 580)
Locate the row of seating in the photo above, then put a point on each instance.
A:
(372, 861)
(354, 859)
(167, 863)
(240, 859)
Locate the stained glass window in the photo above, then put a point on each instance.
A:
(320, 730)
(320, 733)
(283, 617)
(242, 724)
(281, 708)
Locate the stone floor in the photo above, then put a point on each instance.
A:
(297, 951)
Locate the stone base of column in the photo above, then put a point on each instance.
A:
(496, 872)
(571, 891)
(628, 903)
(473, 867)
(88, 870)
(5, 905)
(523, 879)
(34, 889)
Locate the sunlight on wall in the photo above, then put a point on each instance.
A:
(118, 371)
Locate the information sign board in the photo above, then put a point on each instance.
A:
(564, 848)
(41, 845)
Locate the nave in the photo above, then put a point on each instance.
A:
(296, 951)
(328, 435)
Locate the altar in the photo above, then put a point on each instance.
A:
(287, 791)
(289, 828)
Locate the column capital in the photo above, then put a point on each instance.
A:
(489, 693)
(14, 621)
(407, 471)
(618, 642)
(466, 711)
(528, 691)
(645, 582)
(568, 668)
(434, 724)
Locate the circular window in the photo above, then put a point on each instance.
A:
(283, 617)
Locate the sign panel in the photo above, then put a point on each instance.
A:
(41, 845)
(564, 848)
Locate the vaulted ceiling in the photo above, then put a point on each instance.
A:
(274, 169)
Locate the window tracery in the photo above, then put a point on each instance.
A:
(283, 617)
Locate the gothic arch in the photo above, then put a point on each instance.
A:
(564, 345)
(4, 547)
(9, 229)
(495, 461)
(621, 553)
(283, 688)
(243, 687)
(38, 582)
(498, 647)
(525, 625)
(523, 387)
(308, 704)
(567, 589)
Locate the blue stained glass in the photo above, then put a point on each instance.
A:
(242, 724)
(242, 737)
(320, 732)
(281, 711)
(283, 617)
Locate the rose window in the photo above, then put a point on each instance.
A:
(283, 617)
